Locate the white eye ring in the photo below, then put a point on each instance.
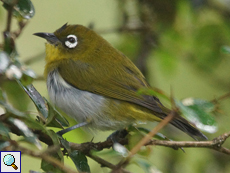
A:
(71, 41)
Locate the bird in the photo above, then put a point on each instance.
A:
(97, 85)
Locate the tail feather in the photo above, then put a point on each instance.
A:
(186, 127)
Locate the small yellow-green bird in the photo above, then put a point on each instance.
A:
(97, 85)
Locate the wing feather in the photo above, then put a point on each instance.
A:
(118, 83)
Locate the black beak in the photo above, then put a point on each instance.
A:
(50, 37)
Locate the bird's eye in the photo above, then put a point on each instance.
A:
(71, 41)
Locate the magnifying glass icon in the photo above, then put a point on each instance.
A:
(9, 160)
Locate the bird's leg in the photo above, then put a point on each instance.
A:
(62, 132)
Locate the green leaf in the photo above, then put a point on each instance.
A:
(159, 136)
(4, 62)
(27, 77)
(4, 131)
(55, 119)
(80, 161)
(2, 97)
(9, 44)
(199, 112)
(23, 8)
(65, 144)
(36, 98)
(48, 167)
(33, 124)
(55, 139)
(225, 49)
(29, 135)
(145, 165)
(7, 106)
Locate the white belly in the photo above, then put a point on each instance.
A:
(81, 105)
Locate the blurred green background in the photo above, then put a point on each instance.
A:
(176, 43)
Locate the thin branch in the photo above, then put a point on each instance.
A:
(104, 163)
(21, 25)
(46, 157)
(148, 137)
(86, 148)
(223, 97)
(144, 140)
(215, 144)
(9, 19)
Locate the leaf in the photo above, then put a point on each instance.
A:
(77, 157)
(4, 62)
(55, 119)
(80, 161)
(159, 136)
(145, 165)
(4, 131)
(2, 97)
(27, 77)
(36, 98)
(33, 124)
(9, 44)
(46, 166)
(7, 106)
(23, 8)
(199, 112)
(225, 49)
(65, 144)
(29, 135)
(55, 140)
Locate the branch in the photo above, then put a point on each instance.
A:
(43, 155)
(86, 148)
(21, 25)
(215, 144)
(104, 163)
(144, 140)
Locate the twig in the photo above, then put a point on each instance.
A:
(21, 25)
(104, 163)
(144, 140)
(9, 14)
(147, 137)
(215, 144)
(223, 97)
(47, 158)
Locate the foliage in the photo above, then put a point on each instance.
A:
(159, 32)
